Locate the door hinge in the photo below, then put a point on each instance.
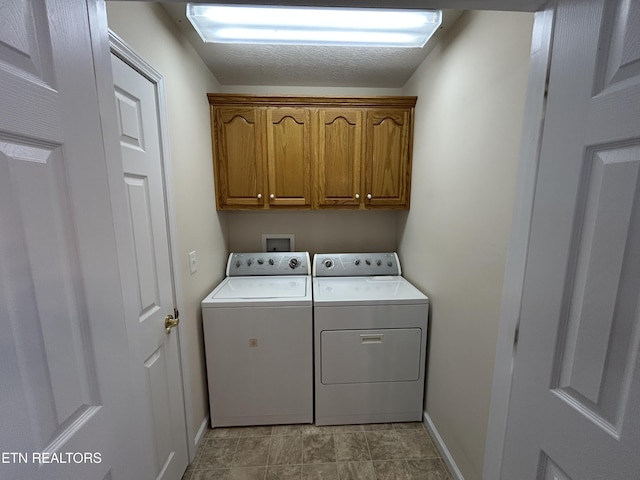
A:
(176, 313)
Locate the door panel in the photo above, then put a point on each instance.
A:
(240, 158)
(157, 352)
(289, 156)
(576, 380)
(598, 313)
(63, 348)
(339, 157)
(387, 157)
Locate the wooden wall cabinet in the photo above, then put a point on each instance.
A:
(238, 157)
(275, 152)
(338, 158)
(388, 158)
(289, 157)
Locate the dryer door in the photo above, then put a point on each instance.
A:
(371, 356)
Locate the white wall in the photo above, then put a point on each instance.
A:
(471, 92)
(152, 34)
(316, 231)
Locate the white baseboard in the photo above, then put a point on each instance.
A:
(444, 451)
(202, 430)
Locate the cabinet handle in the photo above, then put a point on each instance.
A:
(259, 195)
(369, 196)
(272, 196)
(372, 338)
(357, 196)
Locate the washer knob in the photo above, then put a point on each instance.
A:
(367, 261)
(389, 263)
(260, 261)
(357, 262)
(378, 262)
(249, 262)
(294, 262)
(328, 263)
(271, 262)
(238, 263)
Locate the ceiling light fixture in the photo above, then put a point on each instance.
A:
(276, 25)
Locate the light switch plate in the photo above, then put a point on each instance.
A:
(193, 263)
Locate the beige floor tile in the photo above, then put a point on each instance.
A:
(351, 447)
(384, 445)
(326, 471)
(216, 453)
(356, 471)
(285, 450)
(223, 432)
(388, 451)
(374, 427)
(215, 474)
(409, 426)
(348, 428)
(316, 430)
(318, 449)
(284, 472)
(428, 469)
(416, 444)
(252, 451)
(260, 431)
(288, 430)
(392, 470)
(247, 473)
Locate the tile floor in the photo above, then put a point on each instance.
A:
(399, 451)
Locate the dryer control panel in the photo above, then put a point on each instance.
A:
(268, 263)
(356, 264)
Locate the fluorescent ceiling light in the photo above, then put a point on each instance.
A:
(364, 27)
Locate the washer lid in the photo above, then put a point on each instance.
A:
(365, 291)
(248, 291)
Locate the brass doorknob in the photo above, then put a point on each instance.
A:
(169, 323)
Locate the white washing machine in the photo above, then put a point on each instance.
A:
(258, 336)
(370, 336)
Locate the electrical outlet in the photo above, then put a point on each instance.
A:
(193, 263)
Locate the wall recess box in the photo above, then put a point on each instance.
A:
(278, 242)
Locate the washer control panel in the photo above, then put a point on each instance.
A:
(355, 264)
(268, 263)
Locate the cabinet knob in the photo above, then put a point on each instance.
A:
(259, 195)
(357, 196)
(369, 196)
(272, 196)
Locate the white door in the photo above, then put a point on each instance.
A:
(65, 386)
(156, 350)
(575, 400)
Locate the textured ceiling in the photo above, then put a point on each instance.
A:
(308, 65)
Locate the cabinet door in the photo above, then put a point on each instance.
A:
(289, 157)
(239, 157)
(338, 160)
(387, 160)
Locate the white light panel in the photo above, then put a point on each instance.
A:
(313, 25)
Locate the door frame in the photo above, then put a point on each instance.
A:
(515, 266)
(105, 45)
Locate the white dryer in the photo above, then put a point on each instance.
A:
(370, 336)
(258, 336)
